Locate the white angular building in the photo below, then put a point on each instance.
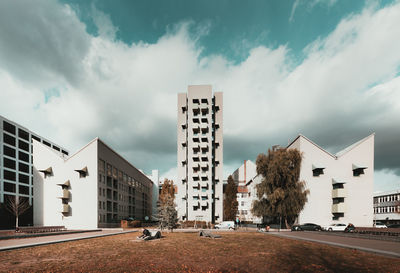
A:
(93, 188)
(341, 185)
(200, 154)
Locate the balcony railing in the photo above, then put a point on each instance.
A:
(65, 208)
(338, 208)
(337, 193)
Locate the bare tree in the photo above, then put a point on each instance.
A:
(17, 206)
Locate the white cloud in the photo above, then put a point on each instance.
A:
(345, 88)
(310, 5)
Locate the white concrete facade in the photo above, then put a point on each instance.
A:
(340, 185)
(200, 154)
(93, 188)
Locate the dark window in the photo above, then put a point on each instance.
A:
(9, 151)
(9, 175)
(36, 138)
(8, 127)
(9, 139)
(56, 148)
(23, 134)
(64, 152)
(23, 167)
(8, 163)
(10, 187)
(23, 190)
(23, 145)
(23, 156)
(46, 143)
(23, 178)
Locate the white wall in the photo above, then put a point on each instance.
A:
(359, 189)
(83, 200)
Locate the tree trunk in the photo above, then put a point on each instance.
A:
(16, 222)
(286, 223)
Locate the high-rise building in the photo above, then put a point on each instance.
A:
(200, 154)
(16, 175)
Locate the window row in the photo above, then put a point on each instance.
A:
(12, 176)
(388, 209)
(389, 198)
(11, 187)
(11, 164)
(111, 171)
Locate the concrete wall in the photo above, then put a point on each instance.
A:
(357, 190)
(83, 191)
(199, 177)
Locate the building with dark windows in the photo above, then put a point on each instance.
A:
(200, 154)
(93, 188)
(387, 207)
(16, 176)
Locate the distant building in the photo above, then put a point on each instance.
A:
(16, 176)
(387, 207)
(245, 173)
(155, 192)
(341, 184)
(200, 154)
(93, 188)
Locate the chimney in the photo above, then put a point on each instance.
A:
(245, 172)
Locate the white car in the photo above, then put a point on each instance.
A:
(380, 225)
(336, 227)
(225, 225)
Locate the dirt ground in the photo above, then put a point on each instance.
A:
(177, 252)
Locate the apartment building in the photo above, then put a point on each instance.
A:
(387, 207)
(200, 154)
(93, 188)
(16, 171)
(340, 185)
(242, 175)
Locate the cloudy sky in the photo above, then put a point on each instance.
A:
(328, 69)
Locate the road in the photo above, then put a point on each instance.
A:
(387, 248)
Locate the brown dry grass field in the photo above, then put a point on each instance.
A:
(187, 252)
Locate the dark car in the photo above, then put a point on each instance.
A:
(394, 226)
(307, 226)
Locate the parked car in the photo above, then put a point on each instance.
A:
(336, 227)
(225, 225)
(306, 226)
(394, 226)
(380, 225)
(350, 228)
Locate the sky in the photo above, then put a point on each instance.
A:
(328, 69)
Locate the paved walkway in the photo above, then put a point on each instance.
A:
(387, 248)
(45, 240)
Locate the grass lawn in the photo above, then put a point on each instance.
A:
(235, 251)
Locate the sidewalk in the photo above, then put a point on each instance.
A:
(54, 239)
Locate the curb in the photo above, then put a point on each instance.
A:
(45, 234)
(371, 250)
(6, 248)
